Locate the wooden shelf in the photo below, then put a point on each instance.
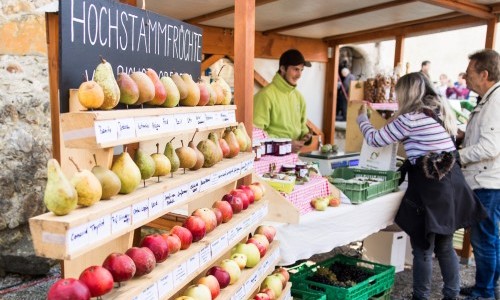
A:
(287, 292)
(181, 268)
(67, 237)
(105, 129)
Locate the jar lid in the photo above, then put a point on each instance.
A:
(288, 166)
(301, 163)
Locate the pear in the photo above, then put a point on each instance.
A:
(209, 151)
(215, 139)
(181, 85)
(105, 77)
(145, 85)
(160, 92)
(110, 182)
(173, 95)
(241, 138)
(193, 96)
(187, 157)
(129, 91)
(169, 152)
(204, 93)
(199, 156)
(224, 147)
(90, 94)
(60, 196)
(232, 142)
(127, 171)
(146, 165)
(87, 186)
(218, 92)
(163, 166)
(226, 89)
(213, 95)
(242, 127)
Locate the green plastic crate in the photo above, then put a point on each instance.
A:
(359, 193)
(381, 280)
(299, 294)
(386, 295)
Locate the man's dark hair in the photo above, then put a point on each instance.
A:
(487, 60)
(426, 62)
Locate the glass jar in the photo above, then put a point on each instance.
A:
(301, 169)
(256, 150)
(288, 168)
(288, 145)
(279, 147)
(269, 146)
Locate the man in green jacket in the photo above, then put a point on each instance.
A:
(279, 108)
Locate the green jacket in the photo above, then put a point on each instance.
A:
(280, 110)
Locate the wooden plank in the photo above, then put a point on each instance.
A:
(259, 79)
(52, 26)
(222, 12)
(280, 209)
(491, 32)
(330, 96)
(210, 61)
(399, 51)
(466, 7)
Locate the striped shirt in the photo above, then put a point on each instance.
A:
(420, 134)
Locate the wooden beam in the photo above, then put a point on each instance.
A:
(491, 29)
(259, 79)
(222, 12)
(399, 51)
(210, 61)
(330, 96)
(346, 14)
(465, 7)
(52, 27)
(495, 8)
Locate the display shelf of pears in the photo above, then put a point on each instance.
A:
(83, 229)
(103, 129)
(170, 276)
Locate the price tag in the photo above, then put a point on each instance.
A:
(140, 211)
(223, 242)
(168, 123)
(231, 235)
(216, 247)
(143, 126)
(238, 228)
(126, 128)
(165, 285)
(157, 125)
(182, 193)
(249, 284)
(209, 119)
(201, 120)
(121, 219)
(156, 205)
(78, 237)
(240, 294)
(170, 198)
(261, 271)
(150, 293)
(190, 121)
(100, 228)
(266, 264)
(217, 120)
(214, 178)
(224, 117)
(205, 255)
(194, 187)
(193, 263)
(232, 116)
(105, 131)
(205, 183)
(180, 274)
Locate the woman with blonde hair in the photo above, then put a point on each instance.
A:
(437, 201)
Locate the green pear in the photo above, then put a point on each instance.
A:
(128, 172)
(172, 156)
(180, 84)
(199, 156)
(145, 163)
(234, 146)
(60, 196)
(187, 157)
(215, 139)
(173, 95)
(241, 138)
(110, 182)
(87, 186)
(105, 77)
(193, 96)
(209, 151)
(163, 165)
(129, 91)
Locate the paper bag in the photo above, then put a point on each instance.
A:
(378, 158)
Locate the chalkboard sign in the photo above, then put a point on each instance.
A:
(129, 38)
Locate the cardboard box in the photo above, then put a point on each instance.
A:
(387, 247)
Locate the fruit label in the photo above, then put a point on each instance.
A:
(126, 128)
(190, 122)
(180, 121)
(78, 237)
(261, 271)
(165, 285)
(168, 123)
(231, 116)
(209, 117)
(251, 282)
(215, 178)
(156, 205)
(180, 274)
(231, 235)
(205, 255)
(157, 125)
(150, 293)
(224, 118)
(246, 166)
(240, 294)
(183, 193)
(247, 222)
(194, 187)
(201, 120)
(100, 228)
(140, 211)
(105, 131)
(217, 120)
(237, 169)
(205, 183)
(255, 217)
(169, 198)
(193, 263)
(143, 126)
(121, 219)
(218, 245)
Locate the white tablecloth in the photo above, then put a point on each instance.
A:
(321, 231)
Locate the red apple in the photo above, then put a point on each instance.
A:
(235, 202)
(197, 227)
(283, 272)
(173, 242)
(274, 282)
(158, 245)
(248, 191)
(121, 266)
(260, 246)
(98, 280)
(240, 259)
(225, 148)
(225, 208)
(211, 282)
(184, 235)
(143, 258)
(218, 215)
(198, 292)
(221, 275)
(243, 196)
(232, 268)
(208, 216)
(262, 238)
(68, 288)
(269, 292)
(261, 296)
(268, 231)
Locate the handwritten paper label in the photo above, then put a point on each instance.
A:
(261, 271)
(157, 125)
(237, 169)
(143, 126)
(224, 118)
(205, 255)
(168, 123)
(205, 183)
(194, 187)
(170, 198)
(121, 219)
(126, 128)
(105, 131)
(246, 166)
(232, 116)
(150, 293)
(214, 178)
(100, 228)
(217, 120)
(182, 193)
(209, 119)
(231, 235)
(155, 205)
(240, 294)
(78, 237)
(165, 285)
(179, 121)
(180, 274)
(215, 247)
(193, 263)
(200, 119)
(249, 284)
(140, 211)
(247, 222)
(190, 121)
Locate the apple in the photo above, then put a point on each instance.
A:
(232, 268)
(211, 282)
(184, 298)
(257, 192)
(261, 296)
(158, 245)
(68, 288)
(197, 227)
(282, 278)
(98, 280)
(243, 196)
(268, 231)
(260, 246)
(333, 201)
(198, 292)
(143, 258)
(221, 275)
(270, 293)
(184, 235)
(173, 242)
(251, 252)
(274, 283)
(225, 208)
(218, 215)
(225, 148)
(283, 272)
(208, 216)
(320, 204)
(121, 266)
(261, 238)
(235, 202)
(249, 192)
(240, 259)
(261, 186)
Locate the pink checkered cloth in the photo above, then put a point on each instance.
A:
(262, 166)
(259, 134)
(303, 194)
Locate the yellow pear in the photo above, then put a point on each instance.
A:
(87, 186)
(193, 95)
(173, 95)
(162, 163)
(127, 171)
(181, 85)
(105, 77)
(145, 85)
(60, 196)
(187, 157)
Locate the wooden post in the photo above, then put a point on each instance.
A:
(399, 51)
(52, 27)
(330, 98)
(491, 29)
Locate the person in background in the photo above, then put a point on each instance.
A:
(343, 93)
(279, 108)
(480, 157)
(437, 201)
(459, 89)
(425, 69)
(444, 83)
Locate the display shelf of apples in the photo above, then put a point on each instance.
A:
(97, 220)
